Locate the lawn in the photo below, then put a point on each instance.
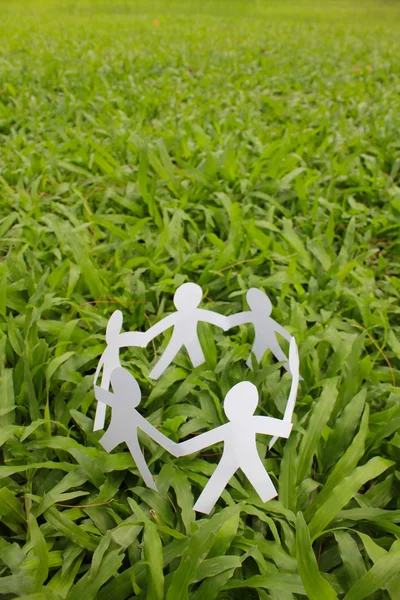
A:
(235, 145)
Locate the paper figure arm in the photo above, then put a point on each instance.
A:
(201, 441)
(157, 436)
(98, 369)
(104, 396)
(133, 338)
(239, 319)
(294, 369)
(209, 316)
(159, 327)
(279, 329)
(271, 426)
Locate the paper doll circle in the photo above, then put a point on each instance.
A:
(114, 326)
(241, 401)
(125, 386)
(259, 301)
(188, 296)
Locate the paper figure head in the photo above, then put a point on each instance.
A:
(241, 401)
(125, 387)
(259, 301)
(188, 296)
(114, 326)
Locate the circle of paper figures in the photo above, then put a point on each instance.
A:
(239, 433)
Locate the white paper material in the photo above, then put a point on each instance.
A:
(126, 420)
(239, 437)
(239, 434)
(110, 358)
(184, 321)
(265, 328)
(294, 369)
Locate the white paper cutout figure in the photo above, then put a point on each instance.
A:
(185, 320)
(239, 437)
(265, 328)
(110, 358)
(126, 420)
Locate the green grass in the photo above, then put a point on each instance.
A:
(236, 145)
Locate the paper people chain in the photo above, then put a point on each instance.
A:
(185, 321)
(238, 435)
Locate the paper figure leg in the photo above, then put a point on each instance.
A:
(100, 416)
(260, 347)
(279, 354)
(260, 480)
(216, 485)
(140, 462)
(166, 359)
(195, 352)
(108, 440)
